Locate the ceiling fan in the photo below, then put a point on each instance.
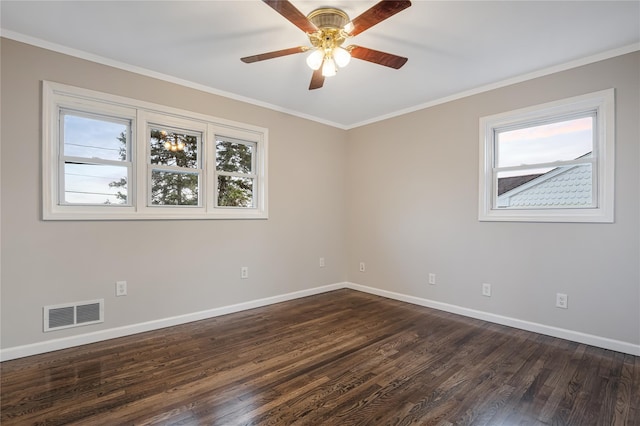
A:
(328, 28)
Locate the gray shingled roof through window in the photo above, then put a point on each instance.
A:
(567, 186)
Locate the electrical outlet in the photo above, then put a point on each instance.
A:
(562, 301)
(486, 290)
(362, 268)
(432, 279)
(322, 262)
(244, 272)
(121, 288)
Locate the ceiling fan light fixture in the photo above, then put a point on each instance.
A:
(314, 60)
(329, 67)
(341, 56)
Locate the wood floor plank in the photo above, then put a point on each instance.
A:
(634, 409)
(339, 358)
(623, 396)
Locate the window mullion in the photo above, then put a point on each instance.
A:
(141, 162)
(209, 173)
(60, 159)
(554, 164)
(176, 169)
(95, 161)
(237, 174)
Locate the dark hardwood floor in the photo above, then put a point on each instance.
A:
(339, 358)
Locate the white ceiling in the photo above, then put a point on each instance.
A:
(454, 47)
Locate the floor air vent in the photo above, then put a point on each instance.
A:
(57, 317)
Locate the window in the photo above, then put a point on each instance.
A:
(108, 157)
(235, 163)
(549, 163)
(175, 166)
(95, 153)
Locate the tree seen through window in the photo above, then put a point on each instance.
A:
(234, 162)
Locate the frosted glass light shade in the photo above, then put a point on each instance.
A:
(329, 68)
(341, 56)
(315, 59)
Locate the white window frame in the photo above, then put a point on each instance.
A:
(142, 115)
(602, 105)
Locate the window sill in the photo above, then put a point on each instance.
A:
(548, 215)
(127, 213)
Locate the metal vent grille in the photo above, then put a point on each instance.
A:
(73, 314)
(87, 313)
(61, 317)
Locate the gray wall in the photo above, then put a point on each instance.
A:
(413, 201)
(400, 195)
(47, 263)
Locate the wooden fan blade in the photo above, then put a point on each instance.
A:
(274, 54)
(292, 14)
(377, 57)
(376, 14)
(317, 79)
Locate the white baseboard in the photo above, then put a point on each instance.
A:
(575, 336)
(98, 336)
(112, 333)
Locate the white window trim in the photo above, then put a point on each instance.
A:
(56, 96)
(603, 103)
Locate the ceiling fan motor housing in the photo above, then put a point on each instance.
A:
(330, 23)
(328, 17)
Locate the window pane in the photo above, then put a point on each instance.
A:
(174, 149)
(560, 141)
(174, 188)
(560, 187)
(95, 184)
(235, 191)
(234, 156)
(95, 138)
